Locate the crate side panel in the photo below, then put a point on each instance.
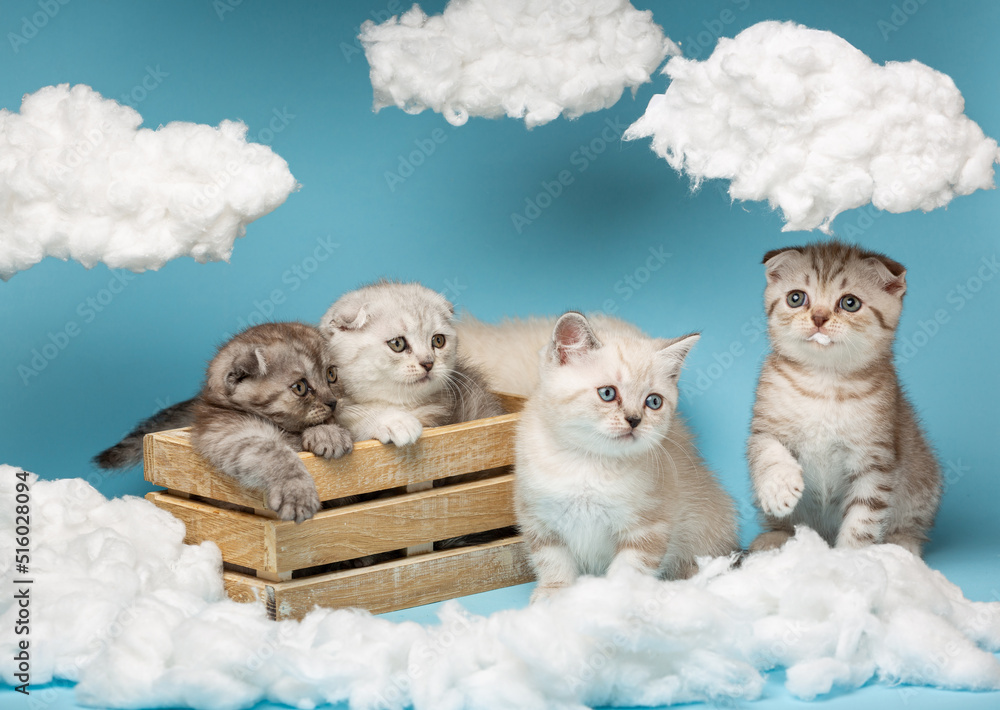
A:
(411, 582)
(397, 522)
(246, 540)
(439, 453)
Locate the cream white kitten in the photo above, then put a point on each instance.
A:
(395, 349)
(607, 478)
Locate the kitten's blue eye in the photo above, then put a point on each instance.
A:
(654, 401)
(850, 303)
(796, 299)
(437, 341)
(397, 345)
(608, 394)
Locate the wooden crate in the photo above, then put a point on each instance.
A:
(401, 516)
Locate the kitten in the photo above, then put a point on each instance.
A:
(607, 477)
(269, 393)
(834, 442)
(395, 344)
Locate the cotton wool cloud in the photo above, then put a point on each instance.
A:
(79, 179)
(803, 119)
(121, 606)
(526, 59)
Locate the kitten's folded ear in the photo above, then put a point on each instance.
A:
(775, 259)
(890, 274)
(344, 316)
(671, 356)
(571, 338)
(248, 361)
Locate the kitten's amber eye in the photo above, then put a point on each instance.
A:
(331, 374)
(796, 299)
(438, 341)
(300, 388)
(608, 394)
(850, 303)
(654, 401)
(397, 345)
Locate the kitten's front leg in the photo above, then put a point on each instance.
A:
(642, 551)
(259, 455)
(776, 475)
(327, 440)
(554, 565)
(867, 509)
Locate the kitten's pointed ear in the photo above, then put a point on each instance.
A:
(671, 356)
(571, 338)
(248, 362)
(344, 316)
(776, 259)
(891, 275)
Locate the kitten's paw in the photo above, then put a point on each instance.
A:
(327, 440)
(398, 428)
(780, 490)
(294, 498)
(544, 591)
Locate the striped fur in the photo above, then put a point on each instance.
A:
(834, 443)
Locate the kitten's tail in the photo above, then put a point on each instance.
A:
(128, 452)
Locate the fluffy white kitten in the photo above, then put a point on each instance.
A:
(607, 478)
(395, 349)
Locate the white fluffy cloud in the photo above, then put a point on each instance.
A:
(806, 121)
(138, 619)
(530, 59)
(80, 180)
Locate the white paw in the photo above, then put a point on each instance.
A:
(544, 591)
(294, 498)
(327, 440)
(780, 489)
(398, 428)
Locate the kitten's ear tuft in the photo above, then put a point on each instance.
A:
(775, 259)
(248, 362)
(891, 275)
(572, 337)
(674, 351)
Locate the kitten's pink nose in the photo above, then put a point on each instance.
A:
(427, 365)
(820, 316)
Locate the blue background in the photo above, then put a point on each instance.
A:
(295, 74)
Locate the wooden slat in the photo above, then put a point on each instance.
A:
(389, 586)
(273, 546)
(394, 523)
(244, 539)
(511, 403)
(440, 452)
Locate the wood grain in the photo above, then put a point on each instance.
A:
(398, 584)
(273, 547)
(439, 453)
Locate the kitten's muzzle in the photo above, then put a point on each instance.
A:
(633, 421)
(427, 365)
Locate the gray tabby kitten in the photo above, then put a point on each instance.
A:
(834, 443)
(607, 477)
(269, 393)
(395, 346)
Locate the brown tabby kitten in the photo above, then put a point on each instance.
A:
(269, 393)
(834, 443)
